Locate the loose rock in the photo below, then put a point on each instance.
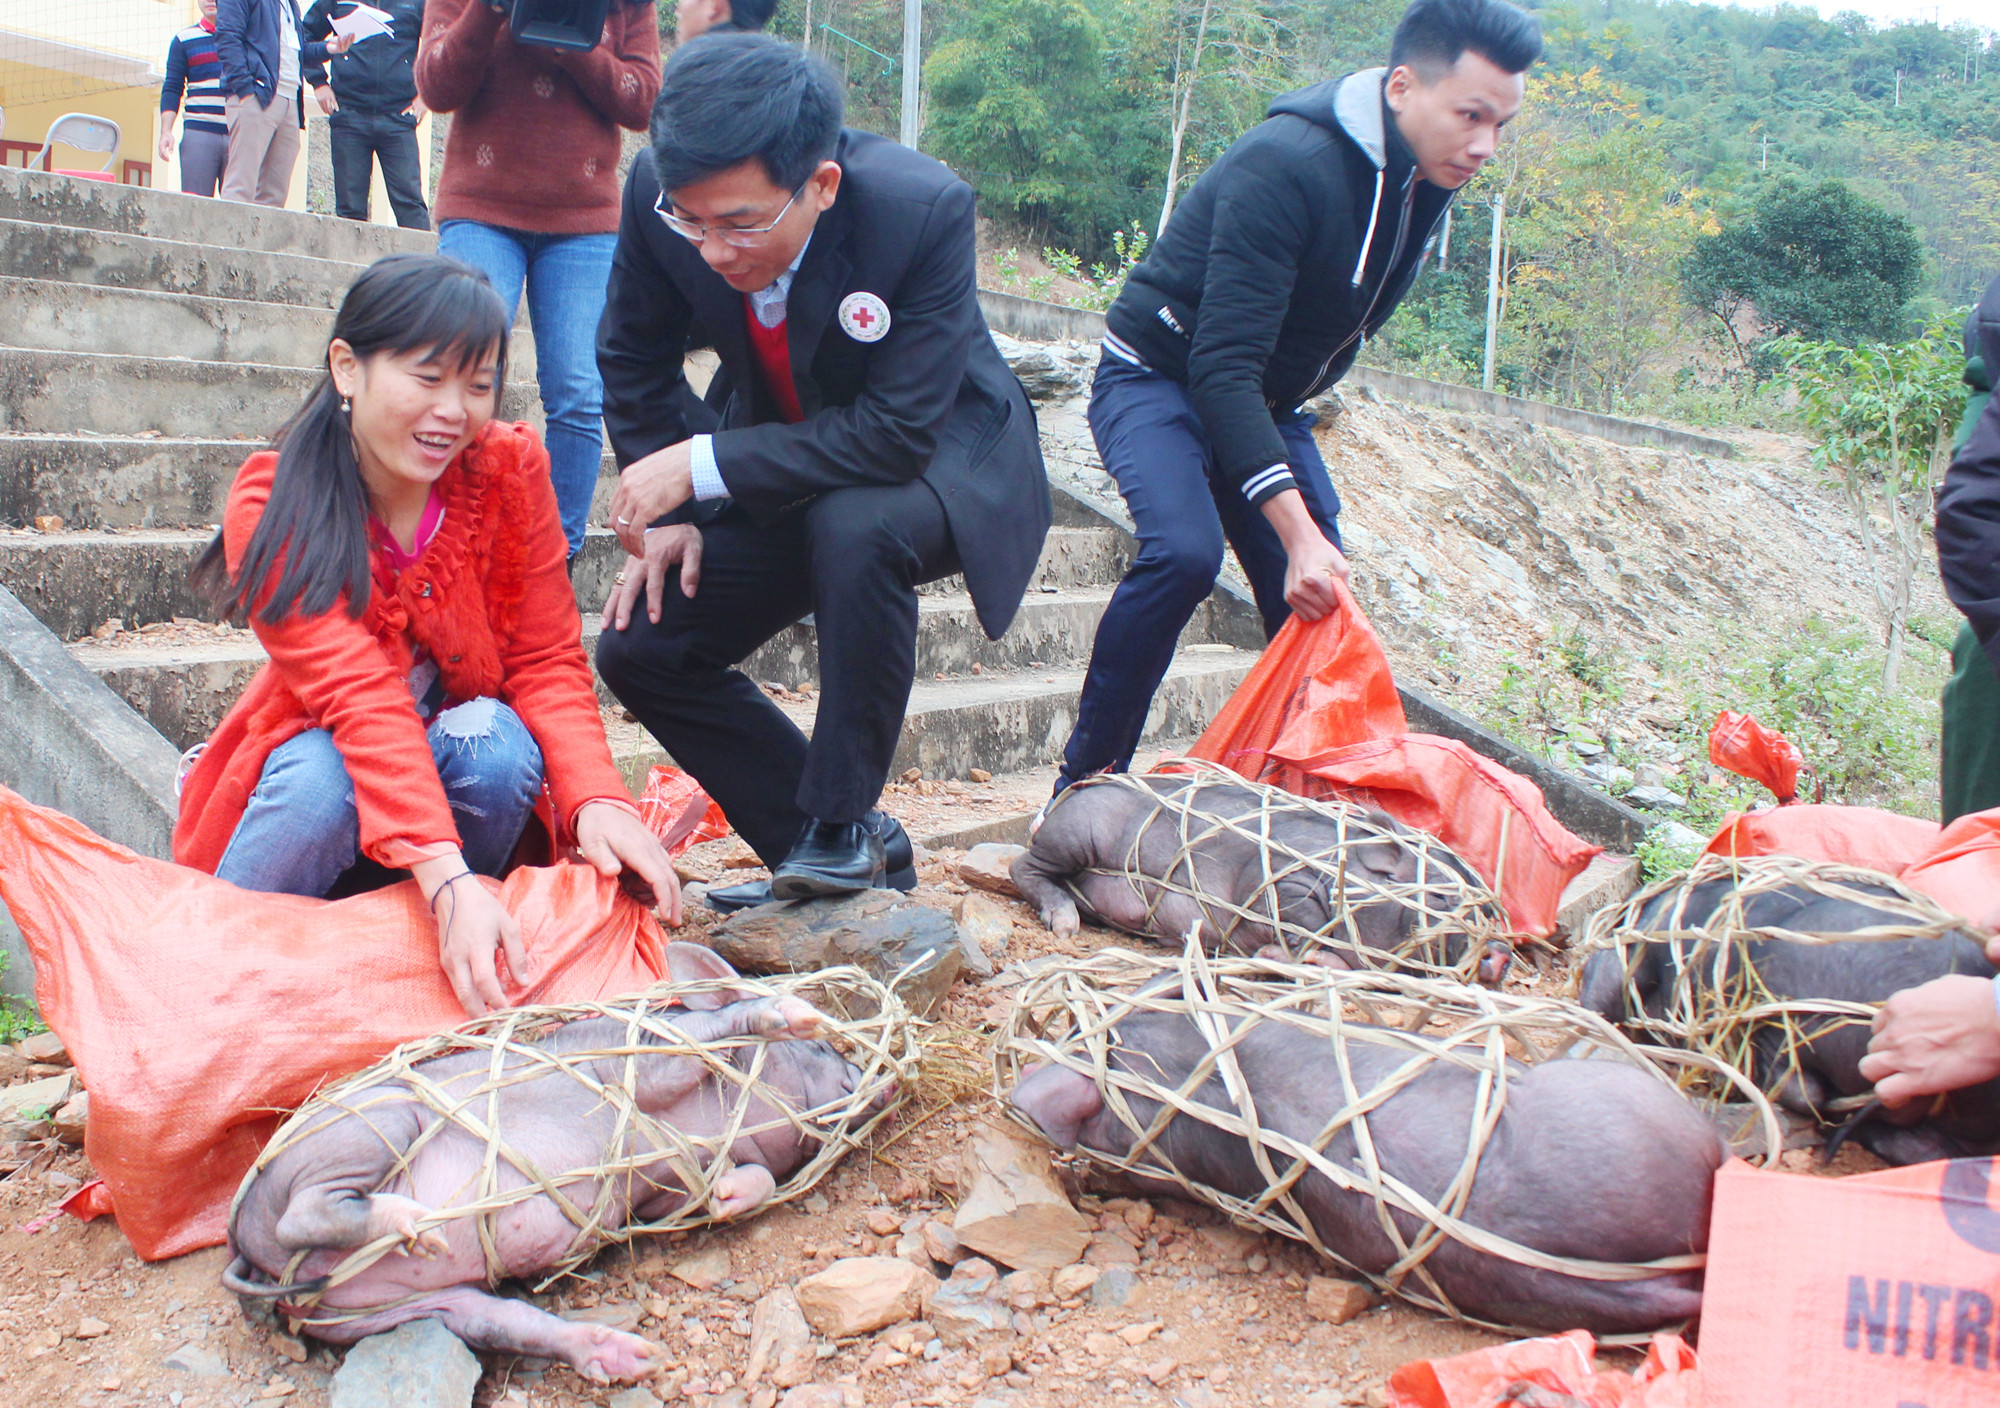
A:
(780, 1340)
(986, 926)
(420, 1364)
(941, 1243)
(990, 866)
(881, 931)
(1013, 1210)
(863, 1293)
(1070, 1282)
(705, 1270)
(45, 1047)
(1335, 1301)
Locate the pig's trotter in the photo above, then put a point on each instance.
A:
(606, 1355)
(392, 1215)
(743, 1188)
(787, 1017)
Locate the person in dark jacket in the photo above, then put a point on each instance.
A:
(264, 52)
(194, 76)
(372, 109)
(694, 18)
(1968, 540)
(874, 440)
(1289, 251)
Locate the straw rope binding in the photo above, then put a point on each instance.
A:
(1715, 1002)
(1198, 803)
(1067, 1016)
(863, 1019)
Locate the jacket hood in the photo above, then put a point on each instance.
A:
(1353, 107)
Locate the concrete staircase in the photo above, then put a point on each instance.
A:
(149, 340)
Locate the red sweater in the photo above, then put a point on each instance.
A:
(534, 131)
(489, 598)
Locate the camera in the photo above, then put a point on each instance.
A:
(558, 24)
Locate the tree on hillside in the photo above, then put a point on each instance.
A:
(1022, 105)
(1817, 262)
(1884, 413)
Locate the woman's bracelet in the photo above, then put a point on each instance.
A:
(431, 901)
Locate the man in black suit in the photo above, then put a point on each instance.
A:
(873, 441)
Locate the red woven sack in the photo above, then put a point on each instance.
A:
(198, 1014)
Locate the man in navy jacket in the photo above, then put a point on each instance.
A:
(264, 52)
(1293, 247)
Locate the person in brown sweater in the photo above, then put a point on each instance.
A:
(530, 194)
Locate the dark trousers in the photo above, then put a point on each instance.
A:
(1152, 442)
(1969, 753)
(361, 137)
(853, 558)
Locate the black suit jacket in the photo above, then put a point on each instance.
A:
(931, 399)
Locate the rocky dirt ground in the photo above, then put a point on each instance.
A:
(1171, 1306)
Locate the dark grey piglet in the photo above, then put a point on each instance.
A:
(1591, 1160)
(1082, 849)
(1827, 1064)
(332, 1189)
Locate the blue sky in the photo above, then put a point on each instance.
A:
(1984, 13)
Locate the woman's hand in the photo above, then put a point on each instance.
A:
(1943, 1035)
(472, 927)
(615, 841)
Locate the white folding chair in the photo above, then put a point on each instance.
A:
(85, 132)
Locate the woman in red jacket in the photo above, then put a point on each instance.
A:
(400, 557)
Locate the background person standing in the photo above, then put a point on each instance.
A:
(263, 52)
(372, 109)
(194, 74)
(530, 194)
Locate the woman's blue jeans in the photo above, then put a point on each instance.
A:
(565, 276)
(300, 832)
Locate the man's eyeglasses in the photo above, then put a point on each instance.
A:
(728, 234)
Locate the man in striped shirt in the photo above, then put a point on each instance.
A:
(192, 66)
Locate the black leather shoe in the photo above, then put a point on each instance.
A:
(727, 899)
(898, 858)
(831, 858)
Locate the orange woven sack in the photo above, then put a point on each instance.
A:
(198, 1013)
(1748, 749)
(1863, 1292)
(1322, 684)
(1961, 870)
(1319, 716)
(678, 811)
(1558, 1364)
(1860, 836)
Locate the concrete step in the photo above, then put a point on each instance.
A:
(98, 258)
(184, 677)
(54, 393)
(47, 199)
(76, 580)
(56, 316)
(1006, 723)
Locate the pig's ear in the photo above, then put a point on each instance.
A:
(692, 963)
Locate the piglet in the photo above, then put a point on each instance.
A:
(1591, 1159)
(1101, 827)
(336, 1187)
(1826, 1065)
